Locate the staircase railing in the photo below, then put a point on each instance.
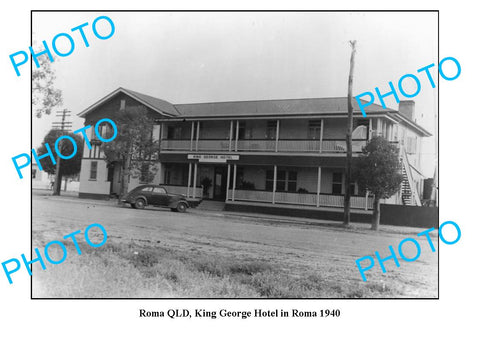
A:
(408, 171)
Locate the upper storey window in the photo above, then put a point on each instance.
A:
(314, 129)
(174, 132)
(271, 129)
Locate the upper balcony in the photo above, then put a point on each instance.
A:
(261, 135)
(263, 145)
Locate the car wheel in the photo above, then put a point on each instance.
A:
(133, 205)
(140, 203)
(181, 207)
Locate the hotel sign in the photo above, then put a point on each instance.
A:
(214, 158)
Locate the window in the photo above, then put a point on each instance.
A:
(157, 190)
(174, 132)
(337, 182)
(395, 133)
(281, 180)
(93, 170)
(146, 189)
(241, 130)
(286, 180)
(34, 173)
(144, 173)
(411, 145)
(168, 170)
(156, 133)
(239, 179)
(105, 130)
(269, 181)
(314, 129)
(271, 132)
(292, 181)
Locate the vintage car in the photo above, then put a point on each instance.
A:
(156, 195)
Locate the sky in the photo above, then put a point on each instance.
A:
(192, 57)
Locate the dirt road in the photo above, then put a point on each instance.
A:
(299, 248)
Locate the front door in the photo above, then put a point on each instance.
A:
(220, 183)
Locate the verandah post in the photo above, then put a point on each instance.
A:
(228, 181)
(198, 135)
(277, 135)
(274, 183)
(319, 181)
(189, 179)
(236, 136)
(191, 135)
(230, 138)
(234, 181)
(195, 180)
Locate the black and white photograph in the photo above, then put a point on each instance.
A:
(212, 147)
(238, 170)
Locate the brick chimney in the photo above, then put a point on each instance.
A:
(407, 109)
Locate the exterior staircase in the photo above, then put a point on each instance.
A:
(408, 190)
(405, 189)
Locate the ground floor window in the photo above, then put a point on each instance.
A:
(177, 174)
(144, 173)
(337, 182)
(239, 182)
(286, 180)
(93, 170)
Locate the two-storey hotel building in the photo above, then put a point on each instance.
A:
(288, 152)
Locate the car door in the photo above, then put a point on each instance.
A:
(159, 196)
(147, 193)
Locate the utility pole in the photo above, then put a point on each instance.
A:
(348, 170)
(434, 193)
(64, 127)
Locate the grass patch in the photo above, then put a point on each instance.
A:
(137, 271)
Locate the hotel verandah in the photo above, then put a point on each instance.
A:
(288, 153)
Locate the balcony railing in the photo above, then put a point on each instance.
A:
(263, 145)
(255, 145)
(309, 199)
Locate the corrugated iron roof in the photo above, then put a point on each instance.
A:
(273, 107)
(160, 104)
(337, 105)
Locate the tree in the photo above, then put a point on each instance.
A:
(348, 165)
(44, 95)
(378, 170)
(68, 167)
(133, 147)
